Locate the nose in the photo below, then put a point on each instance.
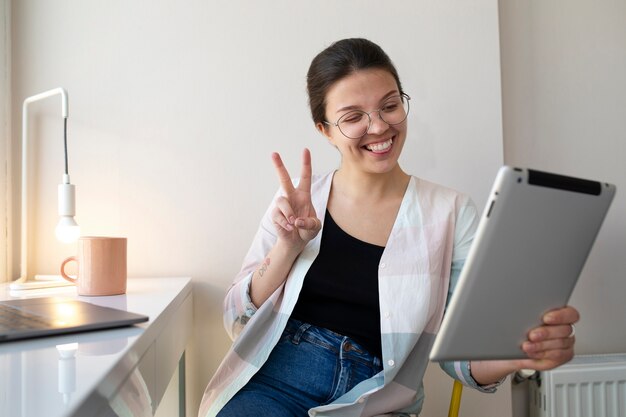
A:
(377, 124)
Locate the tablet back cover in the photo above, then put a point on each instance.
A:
(531, 244)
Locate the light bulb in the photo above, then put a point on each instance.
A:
(67, 230)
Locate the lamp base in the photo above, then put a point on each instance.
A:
(40, 281)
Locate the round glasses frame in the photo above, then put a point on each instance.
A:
(405, 98)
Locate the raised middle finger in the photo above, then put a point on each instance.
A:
(305, 174)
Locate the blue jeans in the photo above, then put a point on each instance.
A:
(310, 366)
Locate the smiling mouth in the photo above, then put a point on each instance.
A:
(379, 147)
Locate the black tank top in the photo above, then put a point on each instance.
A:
(340, 290)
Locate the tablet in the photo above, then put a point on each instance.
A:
(530, 246)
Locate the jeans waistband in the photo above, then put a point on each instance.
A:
(343, 345)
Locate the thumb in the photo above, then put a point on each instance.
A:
(308, 223)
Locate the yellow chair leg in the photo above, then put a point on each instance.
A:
(455, 400)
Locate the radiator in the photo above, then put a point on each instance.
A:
(587, 386)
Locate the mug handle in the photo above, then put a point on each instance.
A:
(63, 274)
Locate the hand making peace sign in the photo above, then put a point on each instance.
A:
(294, 215)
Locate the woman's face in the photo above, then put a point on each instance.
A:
(366, 90)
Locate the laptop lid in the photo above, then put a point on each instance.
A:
(531, 244)
(45, 316)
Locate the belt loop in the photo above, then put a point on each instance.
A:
(298, 335)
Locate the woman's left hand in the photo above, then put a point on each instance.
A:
(551, 344)
(548, 346)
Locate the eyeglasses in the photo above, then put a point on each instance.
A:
(356, 123)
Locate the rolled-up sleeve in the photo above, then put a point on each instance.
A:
(238, 306)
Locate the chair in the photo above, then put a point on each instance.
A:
(455, 399)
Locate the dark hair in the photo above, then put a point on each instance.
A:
(339, 60)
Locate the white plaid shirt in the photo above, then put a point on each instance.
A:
(420, 265)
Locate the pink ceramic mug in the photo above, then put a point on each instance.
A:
(101, 266)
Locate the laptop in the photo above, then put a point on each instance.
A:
(533, 239)
(47, 316)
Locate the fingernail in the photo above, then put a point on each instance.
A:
(299, 223)
(550, 318)
(292, 219)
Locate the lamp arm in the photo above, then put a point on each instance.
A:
(24, 219)
(46, 94)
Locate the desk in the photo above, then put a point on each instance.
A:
(113, 372)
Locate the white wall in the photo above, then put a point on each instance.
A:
(175, 108)
(564, 89)
(5, 127)
(564, 107)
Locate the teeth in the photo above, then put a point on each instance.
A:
(378, 147)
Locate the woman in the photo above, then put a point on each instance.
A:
(340, 296)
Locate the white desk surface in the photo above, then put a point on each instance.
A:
(100, 373)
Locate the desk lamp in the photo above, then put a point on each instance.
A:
(67, 230)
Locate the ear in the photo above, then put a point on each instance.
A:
(324, 129)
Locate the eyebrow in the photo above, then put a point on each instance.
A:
(352, 107)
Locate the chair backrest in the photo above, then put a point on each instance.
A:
(455, 399)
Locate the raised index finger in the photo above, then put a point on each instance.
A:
(305, 175)
(283, 175)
